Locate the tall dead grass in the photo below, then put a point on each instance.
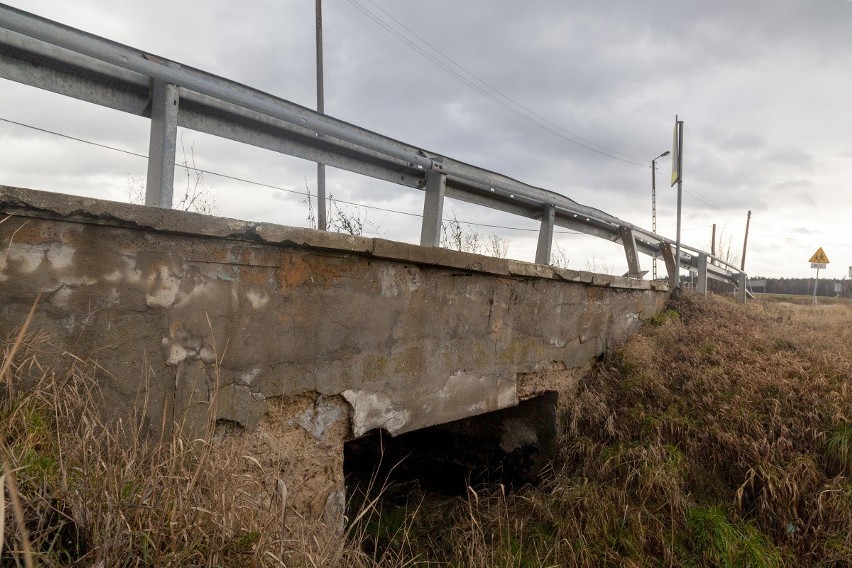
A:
(90, 492)
(721, 435)
(728, 415)
(718, 436)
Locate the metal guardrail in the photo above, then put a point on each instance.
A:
(58, 58)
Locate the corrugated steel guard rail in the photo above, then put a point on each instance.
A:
(51, 56)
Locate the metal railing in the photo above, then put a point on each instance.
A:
(51, 56)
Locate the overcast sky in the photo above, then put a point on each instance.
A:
(764, 89)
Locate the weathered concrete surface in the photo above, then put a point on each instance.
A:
(185, 309)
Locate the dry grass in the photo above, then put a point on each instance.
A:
(734, 414)
(721, 435)
(86, 492)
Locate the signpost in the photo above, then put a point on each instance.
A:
(818, 260)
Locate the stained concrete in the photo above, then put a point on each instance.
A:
(183, 309)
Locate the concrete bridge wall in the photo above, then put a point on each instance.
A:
(304, 338)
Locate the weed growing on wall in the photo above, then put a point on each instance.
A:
(195, 194)
(458, 235)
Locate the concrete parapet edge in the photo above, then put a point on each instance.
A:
(43, 204)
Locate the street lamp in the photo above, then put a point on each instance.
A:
(654, 202)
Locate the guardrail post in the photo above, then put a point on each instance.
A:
(668, 259)
(741, 287)
(163, 144)
(628, 239)
(545, 235)
(433, 208)
(701, 286)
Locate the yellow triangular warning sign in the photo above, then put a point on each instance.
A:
(819, 256)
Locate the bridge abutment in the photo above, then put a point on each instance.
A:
(300, 339)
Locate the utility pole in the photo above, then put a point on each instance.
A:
(745, 243)
(654, 203)
(713, 242)
(678, 159)
(321, 217)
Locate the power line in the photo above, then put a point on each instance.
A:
(808, 240)
(261, 184)
(495, 89)
(208, 172)
(711, 204)
(73, 138)
(572, 138)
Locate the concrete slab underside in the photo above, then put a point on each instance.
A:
(349, 333)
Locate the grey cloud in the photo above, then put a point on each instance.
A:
(759, 84)
(792, 183)
(790, 156)
(744, 141)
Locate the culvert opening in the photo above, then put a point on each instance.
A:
(509, 446)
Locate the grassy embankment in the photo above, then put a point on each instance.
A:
(721, 435)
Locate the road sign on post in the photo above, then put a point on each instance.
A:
(819, 260)
(820, 257)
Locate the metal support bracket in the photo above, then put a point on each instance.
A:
(545, 235)
(163, 144)
(701, 285)
(433, 208)
(741, 287)
(668, 259)
(628, 239)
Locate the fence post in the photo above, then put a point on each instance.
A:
(163, 144)
(545, 235)
(433, 208)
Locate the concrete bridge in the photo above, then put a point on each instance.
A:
(305, 339)
(302, 339)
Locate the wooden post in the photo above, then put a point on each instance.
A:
(745, 242)
(713, 242)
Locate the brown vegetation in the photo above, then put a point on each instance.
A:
(98, 493)
(721, 435)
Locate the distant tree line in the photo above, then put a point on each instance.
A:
(802, 286)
